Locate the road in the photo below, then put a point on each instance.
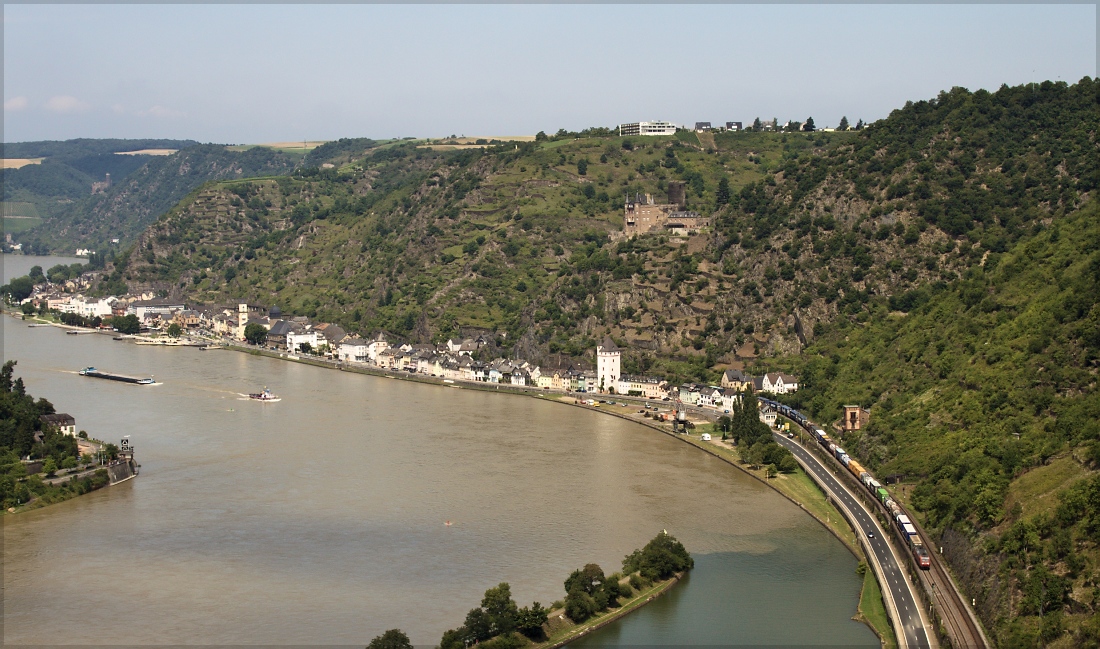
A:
(914, 627)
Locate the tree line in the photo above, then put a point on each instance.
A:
(499, 623)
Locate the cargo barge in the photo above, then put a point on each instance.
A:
(99, 374)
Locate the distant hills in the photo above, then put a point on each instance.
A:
(142, 186)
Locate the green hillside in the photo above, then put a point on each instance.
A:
(983, 397)
(143, 188)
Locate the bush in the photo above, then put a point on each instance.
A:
(661, 558)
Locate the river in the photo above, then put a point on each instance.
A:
(321, 518)
(19, 265)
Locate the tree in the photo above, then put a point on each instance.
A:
(529, 621)
(582, 166)
(859, 125)
(771, 471)
(19, 289)
(126, 324)
(58, 274)
(255, 333)
(756, 125)
(479, 627)
(27, 308)
(588, 579)
(174, 330)
(843, 126)
(36, 275)
(809, 125)
(49, 467)
(501, 609)
(541, 136)
(305, 348)
(392, 639)
(722, 195)
(659, 559)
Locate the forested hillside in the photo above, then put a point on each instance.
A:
(983, 397)
(143, 188)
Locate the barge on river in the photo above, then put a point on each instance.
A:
(125, 378)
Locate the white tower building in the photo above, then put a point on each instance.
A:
(607, 364)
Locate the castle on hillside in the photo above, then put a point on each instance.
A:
(101, 188)
(644, 215)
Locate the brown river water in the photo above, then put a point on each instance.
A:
(321, 519)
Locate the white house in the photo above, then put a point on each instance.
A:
(767, 415)
(295, 340)
(353, 349)
(778, 383)
(730, 398)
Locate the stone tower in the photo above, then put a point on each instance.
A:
(607, 364)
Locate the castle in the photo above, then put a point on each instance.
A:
(643, 215)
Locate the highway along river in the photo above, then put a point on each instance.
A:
(321, 518)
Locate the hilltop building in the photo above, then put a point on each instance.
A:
(608, 357)
(100, 188)
(647, 128)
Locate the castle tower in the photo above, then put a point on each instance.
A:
(607, 364)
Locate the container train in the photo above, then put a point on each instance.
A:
(904, 525)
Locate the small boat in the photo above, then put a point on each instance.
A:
(266, 395)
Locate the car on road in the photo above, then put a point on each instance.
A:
(870, 535)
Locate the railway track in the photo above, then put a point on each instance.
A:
(962, 629)
(958, 621)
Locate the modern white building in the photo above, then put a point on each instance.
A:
(607, 365)
(647, 128)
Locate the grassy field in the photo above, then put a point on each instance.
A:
(1036, 491)
(17, 224)
(15, 163)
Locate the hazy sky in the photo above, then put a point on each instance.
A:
(263, 73)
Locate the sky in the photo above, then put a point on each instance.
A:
(240, 74)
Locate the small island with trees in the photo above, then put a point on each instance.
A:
(592, 599)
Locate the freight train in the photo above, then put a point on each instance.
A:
(905, 526)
